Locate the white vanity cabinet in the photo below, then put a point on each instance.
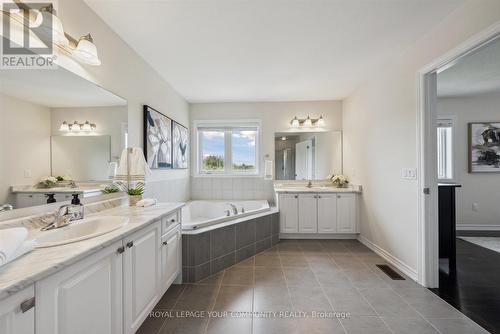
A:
(289, 213)
(17, 314)
(84, 298)
(170, 257)
(308, 213)
(141, 275)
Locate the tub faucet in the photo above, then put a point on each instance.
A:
(233, 207)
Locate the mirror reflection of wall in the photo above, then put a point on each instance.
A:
(307, 155)
(34, 143)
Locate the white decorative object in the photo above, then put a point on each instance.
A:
(268, 170)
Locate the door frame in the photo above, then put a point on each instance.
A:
(428, 246)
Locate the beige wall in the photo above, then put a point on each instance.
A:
(126, 74)
(480, 188)
(24, 144)
(380, 133)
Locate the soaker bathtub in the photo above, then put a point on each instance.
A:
(202, 213)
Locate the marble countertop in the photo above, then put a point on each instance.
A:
(43, 262)
(314, 189)
(31, 189)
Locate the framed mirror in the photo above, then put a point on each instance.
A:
(307, 155)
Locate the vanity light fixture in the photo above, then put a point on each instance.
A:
(54, 26)
(86, 51)
(307, 122)
(77, 127)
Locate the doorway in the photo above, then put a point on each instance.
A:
(455, 149)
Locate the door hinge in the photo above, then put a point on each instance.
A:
(427, 191)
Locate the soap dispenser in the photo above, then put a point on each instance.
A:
(77, 209)
(75, 200)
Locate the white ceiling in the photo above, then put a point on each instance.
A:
(269, 50)
(475, 74)
(55, 88)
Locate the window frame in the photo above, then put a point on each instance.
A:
(452, 121)
(227, 126)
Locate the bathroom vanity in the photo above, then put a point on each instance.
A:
(107, 284)
(317, 212)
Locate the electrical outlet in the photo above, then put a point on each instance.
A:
(27, 173)
(475, 207)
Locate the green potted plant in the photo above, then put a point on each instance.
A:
(339, 181)
(135, 193)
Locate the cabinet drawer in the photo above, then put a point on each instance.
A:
(168, 221)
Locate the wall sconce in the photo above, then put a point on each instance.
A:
(82, 49)
(77, 127)
(307, 122)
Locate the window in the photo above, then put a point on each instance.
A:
(445, 149)
(228, 149)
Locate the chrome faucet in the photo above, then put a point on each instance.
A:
(64, 216)
(233, 207)
(6, 207)
(309, 184)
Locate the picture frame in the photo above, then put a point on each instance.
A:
(180, 146)
(157, 138)
(484, 147)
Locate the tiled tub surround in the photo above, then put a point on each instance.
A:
(43, 262)
(208, 252)
(231, 188)
(304, 276)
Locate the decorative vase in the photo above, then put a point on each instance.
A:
(133, 199)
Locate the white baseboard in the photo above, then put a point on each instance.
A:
(317, 236)
(477, 227)
(397, 263)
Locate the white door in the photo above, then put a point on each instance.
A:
(303, 160)
(170, 257)
(346, 213)
(17, 315)
(84, 298)
(327, 213)
(308, 213)
(289, 213)
(141, 275)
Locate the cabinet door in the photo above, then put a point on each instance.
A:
(308, 213)
(17, 316)
(141, 275)
(346, 213)
(289, 213)
(84, 298)
(327, 213)
(170, 257)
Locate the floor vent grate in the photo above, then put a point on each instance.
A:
(390, 272)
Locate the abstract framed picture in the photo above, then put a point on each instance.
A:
(180, 142)
(157, 139)
(484, 147)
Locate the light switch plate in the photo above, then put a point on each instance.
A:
(409, 173)
(27, 173)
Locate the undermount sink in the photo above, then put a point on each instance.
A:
(80, 230)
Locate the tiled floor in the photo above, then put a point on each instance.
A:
(335, 280)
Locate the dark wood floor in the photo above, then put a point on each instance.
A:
(476, 291)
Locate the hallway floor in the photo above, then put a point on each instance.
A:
(476, 291)
(306, 286)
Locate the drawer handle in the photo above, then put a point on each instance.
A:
(296, 196)
(130, 244)
(28, 304)
(165, 243)
(338, 196)
(172, 220)
(120, 250)
(319, 196)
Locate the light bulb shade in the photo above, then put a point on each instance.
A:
(75, 127)
(64, 127)
(86, 51)
(58, 36)
(308, 122)
(50, 25)
(86, 126)
(321, 122)
(295, 122)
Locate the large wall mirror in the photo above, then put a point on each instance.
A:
(55, 123)
(307, 155)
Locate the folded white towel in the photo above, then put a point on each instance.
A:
(138, 166)
(146, 202)
(25, 247)
(10, 240)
